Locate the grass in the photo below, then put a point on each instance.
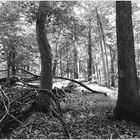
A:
(90, 122)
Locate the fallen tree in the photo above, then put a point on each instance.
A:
(81, 84)
(36, 77)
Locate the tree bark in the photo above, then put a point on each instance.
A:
(102, 49)
(76, 61)
(61, 68)
(13, 66)
(89, 52)
(68, 69)
(112, 71)
(8, 69)
(107, 67)
(46, 57)
(139, 59)
(112, 65)
(45, 49)
(56, 55)
(54, 67)
(101, 32)
(128, 103)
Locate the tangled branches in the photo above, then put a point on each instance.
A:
(14, 111)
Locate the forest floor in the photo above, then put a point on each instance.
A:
(87, 119)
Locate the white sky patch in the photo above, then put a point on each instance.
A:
(78, 11)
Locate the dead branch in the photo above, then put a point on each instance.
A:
(29, 73)
(74, 81)
(79, 83)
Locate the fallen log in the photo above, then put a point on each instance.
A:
(81, 84)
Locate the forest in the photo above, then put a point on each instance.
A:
(69, 69)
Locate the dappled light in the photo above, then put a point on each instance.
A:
(69, 69)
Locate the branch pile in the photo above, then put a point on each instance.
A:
(14, 112)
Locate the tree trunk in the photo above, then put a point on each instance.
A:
(89, 53)
(45, 49)
(102, 49)
(68, 70)
(128, 103)
(13, 66)
(54, 67)
(61, 68)
(8, 69)
(76, 66)
(56, 55)
(112, 72)
(139, 59)
(112, 69)
(107, 67)
(46, 57)
(28, 67)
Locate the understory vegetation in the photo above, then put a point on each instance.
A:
(87, 115)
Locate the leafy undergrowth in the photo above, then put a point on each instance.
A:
(87, 119)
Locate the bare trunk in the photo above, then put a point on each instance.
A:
(76, 67)
(8, 69)
(28, 67)
(45, 49)
(138, 58)
(56, 56)
(128, 103)
(112, 56)
(13, 66)
(68, 70)
(46, 58)
(103, 38)
(89, 53)
(102, 49)
(61, 69)
(54, 67)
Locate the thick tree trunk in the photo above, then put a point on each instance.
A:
(45, 49)
(128, 103)
(46, 57)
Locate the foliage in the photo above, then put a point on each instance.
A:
(67, 22)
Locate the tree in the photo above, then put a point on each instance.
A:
(89, 53)
(45, 49)
(128, 103)
(76, 61)
(90, 61)
(46, 57)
